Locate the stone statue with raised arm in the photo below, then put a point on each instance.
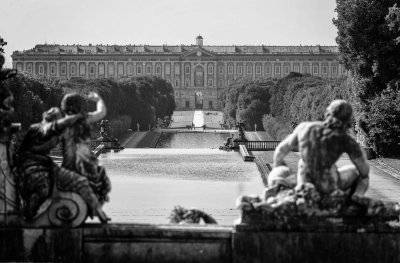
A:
(36, 167)
(77, 154)
(319, 187)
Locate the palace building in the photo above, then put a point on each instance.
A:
(197, 72)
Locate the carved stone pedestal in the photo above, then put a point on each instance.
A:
(65, 209)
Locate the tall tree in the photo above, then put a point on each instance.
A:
(368, 39)
(367, 44)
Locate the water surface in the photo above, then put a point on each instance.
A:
(193, 140)
(148, 183)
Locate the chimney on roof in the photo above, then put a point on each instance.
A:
(199, 41)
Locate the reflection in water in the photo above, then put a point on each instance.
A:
(192, 140)
(198, 118)
(148, 183)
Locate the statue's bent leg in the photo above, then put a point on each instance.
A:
(67, 180)
(106, 186)
(349, 178)
(279, 177)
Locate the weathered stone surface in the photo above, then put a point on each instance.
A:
(152, 243)
(307, 206)
(313, 242)
(62, 245)
(255, 245)
(11, 244)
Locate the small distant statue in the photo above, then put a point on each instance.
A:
(240, 127)
(181, 215)
(320, 187)
(104, 129)
(109, 143)
(228, 142)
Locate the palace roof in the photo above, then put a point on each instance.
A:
(168, 49)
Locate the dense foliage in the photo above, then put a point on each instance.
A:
(279, 106)
(248, 101)
(137, 100)
(368, 38)
(384, 121)
(298, 98)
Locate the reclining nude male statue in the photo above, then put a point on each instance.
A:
(320, 145)
(320, 187)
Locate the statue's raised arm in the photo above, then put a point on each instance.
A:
(101, 110)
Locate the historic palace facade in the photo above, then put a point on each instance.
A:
(198, 73)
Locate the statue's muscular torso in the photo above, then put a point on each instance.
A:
(320, 147)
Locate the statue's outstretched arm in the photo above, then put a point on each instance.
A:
(101, 110)
(61, 124)
(359, 158)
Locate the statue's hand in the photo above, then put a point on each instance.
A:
(298, 187)
(94, 96)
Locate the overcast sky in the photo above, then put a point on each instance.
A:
(25, 23)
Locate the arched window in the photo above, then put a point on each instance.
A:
(129, 69)
(82, 69)
(199, 76)
(120, 69)
(29, 67)
(239, 70)
(210, 69)
(177, 69)
(111, 69)
(277, 70)
(148, 69)
(230, 69)
(167, 69)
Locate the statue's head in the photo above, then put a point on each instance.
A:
(52, 115)
(72, 103)
(339, 114)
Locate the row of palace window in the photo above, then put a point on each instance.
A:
(167, 69)
(210, 82)
(184, 93)
(210, 104)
